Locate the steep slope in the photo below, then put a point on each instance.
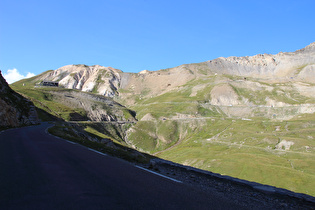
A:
(15, 109)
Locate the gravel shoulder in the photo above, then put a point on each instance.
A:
(251, 195)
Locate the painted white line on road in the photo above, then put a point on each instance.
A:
(175, 180)
(97, 151)
(71, 142)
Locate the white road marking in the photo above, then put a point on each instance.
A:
(97, 151)
(71, 142)
(175, 180)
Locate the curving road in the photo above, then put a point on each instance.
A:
(40, 171)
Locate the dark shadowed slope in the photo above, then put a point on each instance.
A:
(15, 110)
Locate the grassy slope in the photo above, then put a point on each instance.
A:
(250, 153)
(178, 101)
(42, 98)
(239, 148)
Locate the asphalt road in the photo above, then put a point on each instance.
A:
(39, 171)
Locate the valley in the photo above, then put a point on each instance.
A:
(250, 117)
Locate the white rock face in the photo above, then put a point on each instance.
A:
(284, 145)
(224, 95)
(99, 79)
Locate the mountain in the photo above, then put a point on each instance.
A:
(249, 117)
(15, 109)
(295, 67)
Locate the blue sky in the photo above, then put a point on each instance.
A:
(38, 35)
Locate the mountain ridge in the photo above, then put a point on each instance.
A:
(267, 66)
(297, 66)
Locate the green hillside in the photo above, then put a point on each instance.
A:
(251, 140)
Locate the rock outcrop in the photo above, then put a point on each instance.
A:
(291, 65)
(15, 110)
(97, 108)
(224, 95)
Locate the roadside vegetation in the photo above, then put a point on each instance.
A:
(89, 137)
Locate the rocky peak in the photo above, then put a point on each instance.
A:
(97, 79)
(310, 47)
(3, 84)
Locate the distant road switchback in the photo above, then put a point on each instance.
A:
(40, 171)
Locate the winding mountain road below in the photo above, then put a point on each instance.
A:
(40, 171)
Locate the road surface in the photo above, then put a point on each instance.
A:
(40, 171)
